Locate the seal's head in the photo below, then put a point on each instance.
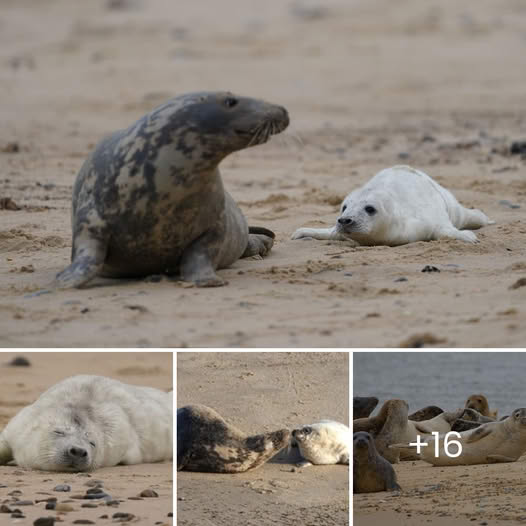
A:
(363, 446)
(70, 443)
(365, 218)
(478, 402)
(519, 417)
(211, 125)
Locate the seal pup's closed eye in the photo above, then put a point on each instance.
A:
(86, 422)
(325, 442)
(400, 205)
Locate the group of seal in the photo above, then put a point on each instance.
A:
(391, 435)
(150, 200)
(207, 442)
(86, 422)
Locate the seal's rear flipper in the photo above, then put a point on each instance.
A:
(6, 454)
(260, 242)
(500, 458)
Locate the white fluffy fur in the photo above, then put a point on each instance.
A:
(128, 425)
(410, 206)
(329, 442)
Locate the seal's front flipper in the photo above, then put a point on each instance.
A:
(86, 263)
(196, 265)
(319, 233)
(6, 454)
(500, 458)
(480, 432)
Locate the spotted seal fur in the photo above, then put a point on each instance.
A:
(207, 442)
(150, 199)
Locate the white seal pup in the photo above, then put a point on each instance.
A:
(150, 198)
(87, 422)
(400, 205)
(326, 442)
(207, 442)
(503, 441)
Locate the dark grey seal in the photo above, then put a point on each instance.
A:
(150, 199)
(371, 472)
(206, 442)
(363, 406)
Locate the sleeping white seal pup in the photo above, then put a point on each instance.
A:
(87, 422)
(400, 205)
(326, 442)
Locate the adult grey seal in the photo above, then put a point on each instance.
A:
(363, 406)
(503, 441)
(325, 442)
(400, 205)
(371, 472)
(206, 442)
(150, 199)
(87, 422)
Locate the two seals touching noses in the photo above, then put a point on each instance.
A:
(150, 199)
(87, 422)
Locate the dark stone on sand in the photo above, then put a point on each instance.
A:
(44, 521)
(122, 517)
(148, 493)
(62, 487)
(19, 361)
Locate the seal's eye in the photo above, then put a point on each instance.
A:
(230, 102)
(59, 433)
(92, 444)
(344, 207)
(307, 430)
(370, 210)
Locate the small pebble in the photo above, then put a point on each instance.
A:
(135, 498)
(509, 204)
(92, 483)
(96, 496)
(401, 279)
(51, 505)
(44, 521)
(112, 502)
(148, 493)
(89, 505)
(62, 487)
(17, 515)
(19, 361)
(4, 508)
(122, 517)
(24, 503)
(430, 268)
(64, 507)
(83, 521)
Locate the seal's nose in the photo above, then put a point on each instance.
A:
(345, 221)
(77, 452)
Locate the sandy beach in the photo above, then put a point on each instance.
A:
(20, 386)
(368, 85)
(260, 392)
